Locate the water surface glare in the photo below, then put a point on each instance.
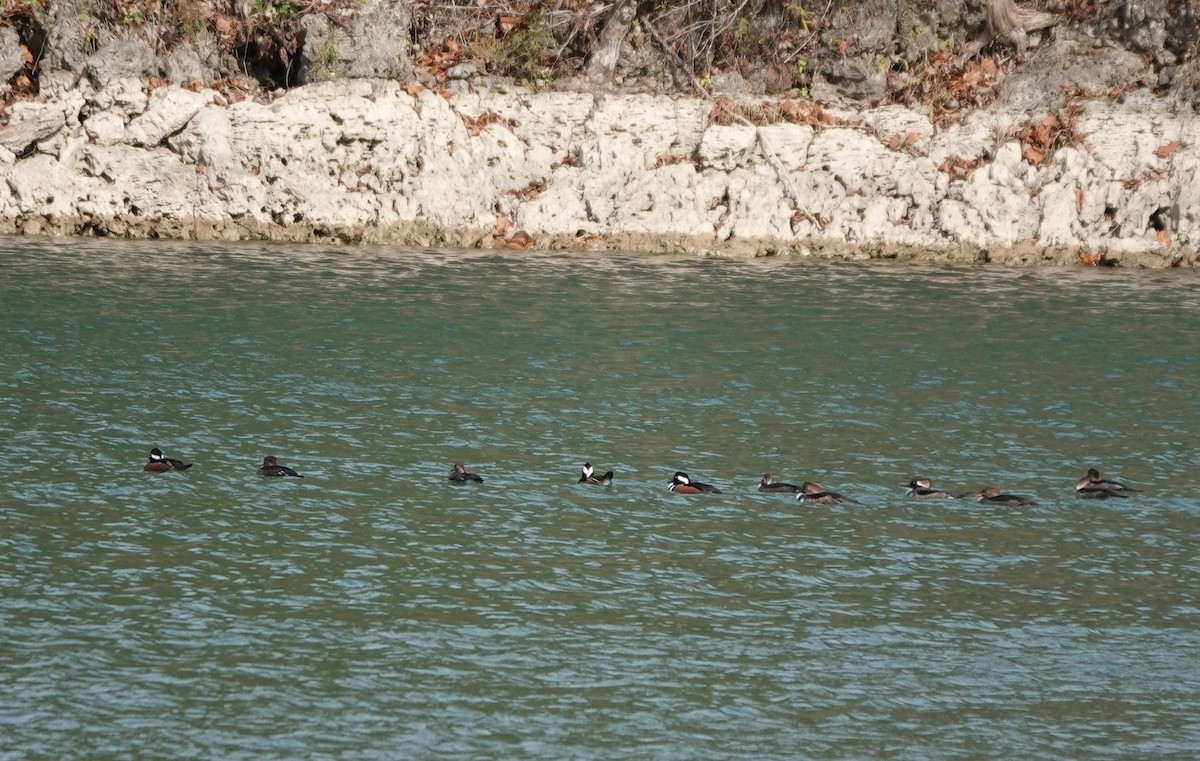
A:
(373, 610)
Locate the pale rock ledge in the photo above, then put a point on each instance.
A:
(366, 161)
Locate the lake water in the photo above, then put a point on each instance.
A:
(373, 610)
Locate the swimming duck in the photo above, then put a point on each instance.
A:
(586, 477)
(993, 496)
(459, 474)
(922, 488)
(681, 484)
(1092, 486)
(159, 464)
(771, 486)
(271, 467)
(810, 492)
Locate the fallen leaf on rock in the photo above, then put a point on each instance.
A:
(476, 125)
(1097, 259)
(1166, 150)
(520, 241)
(958, 168)
(530, 191)
(896, 142)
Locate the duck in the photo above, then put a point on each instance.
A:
(1092, 486)
(815, 493)
(922, 488)
(993, 496)
(160, 464)
(586, 477)
(459, 474)
(271, 467)
(772, 486)
(681, 484)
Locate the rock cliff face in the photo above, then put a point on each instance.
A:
(372, 161)
(1064, 157)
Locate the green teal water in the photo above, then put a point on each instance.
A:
(373, 610)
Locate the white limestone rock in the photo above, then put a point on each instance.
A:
(208, 139)
(857, 161)
(105, 128)
(758, 206)
(724, 147)
(560, 209)
(961, 222)
(1185, 192)
(789, 142)
(899, 122)
(364, 155)
(630, 134)
(673, 199)
(168, 111)
(31, 122)
(126, 96)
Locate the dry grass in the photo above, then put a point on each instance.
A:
(725, 111)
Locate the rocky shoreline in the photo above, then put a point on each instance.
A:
(487, 163)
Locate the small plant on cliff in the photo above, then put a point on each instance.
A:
(273, 10)
(324, 64)
(527, 51)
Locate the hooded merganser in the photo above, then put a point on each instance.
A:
(681, 484)
(993, 496)
(1092, 486)
(587, 478)
(271, 467)
(922, 488)
(810, 492)
(159, 464)
(768, 484)
(459, 474)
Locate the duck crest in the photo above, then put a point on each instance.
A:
(158, 463)
(587, 477)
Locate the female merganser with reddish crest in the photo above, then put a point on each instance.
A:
(810, 492)
(1092, 486)
(271, 467)
(772, 486)
(459, 474)
(993, 496)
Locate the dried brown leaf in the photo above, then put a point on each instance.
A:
(1166, 150)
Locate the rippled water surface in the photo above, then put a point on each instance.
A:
(373, 610)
